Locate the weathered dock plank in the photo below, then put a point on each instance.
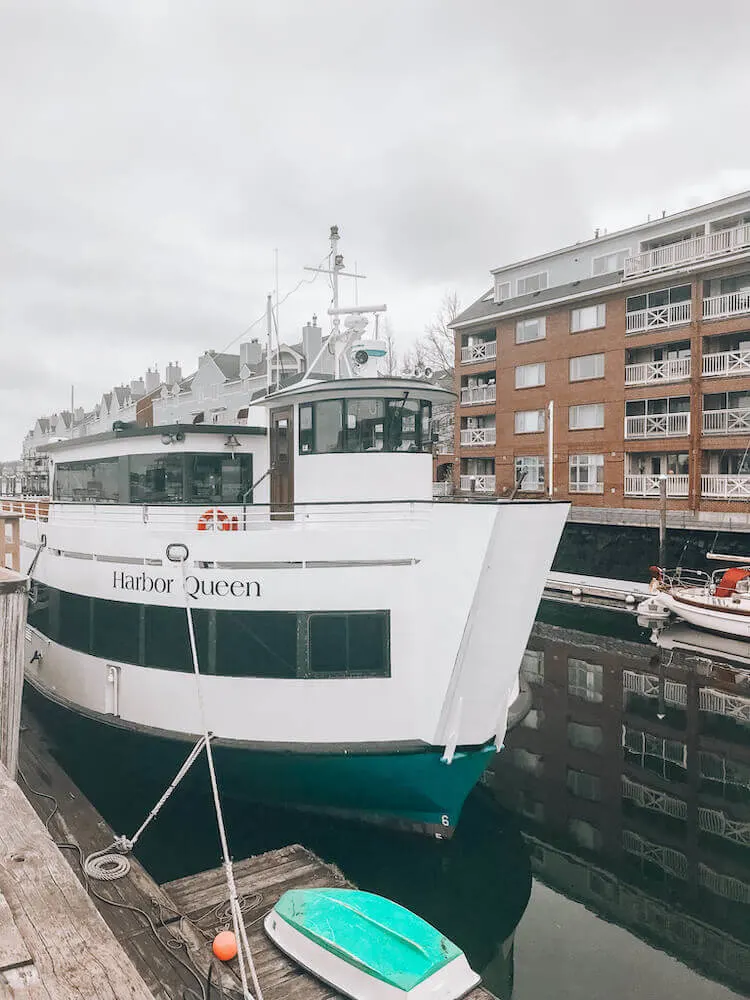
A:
(261, 881)
(53, 942)
(124, 903)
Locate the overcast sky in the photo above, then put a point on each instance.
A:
(155, 152)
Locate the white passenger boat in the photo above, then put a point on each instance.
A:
(359, 645)
(717, 602)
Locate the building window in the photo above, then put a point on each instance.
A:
(502, 291)
(586, 473)
(609, 262)
(525, 760)
(657, 299)
(528, 330)
(586, 366)
(584, 737)
(532, 666)
(358, 425)
(585, 680)
(531, 283)
(530, 473)
(585, 834)
(588, 318)
(584, 785)
(665, 757)
(529, 421)
(530, 375)
(586, 416)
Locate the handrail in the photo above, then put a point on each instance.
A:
(250, 489)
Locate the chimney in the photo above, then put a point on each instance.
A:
(152, 380)
(251, 354)
(174, 373)
(137, 387)
(312, 340)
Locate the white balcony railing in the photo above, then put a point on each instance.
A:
(727, 363)
(486, 351)
(442, 489)
(478, 484)
(726, 421)
(726, 241)
(657, 425)
(731, 304)
(478, 394)
(648, 486)
(725, 487)
(648, 372)
(478, 436)
(657, 317)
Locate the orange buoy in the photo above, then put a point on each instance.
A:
(225, 946)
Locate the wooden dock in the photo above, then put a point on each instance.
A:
(260, 883)
(185, 913)
(53, 943)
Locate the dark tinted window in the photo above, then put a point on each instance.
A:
(89, 482)
(117, 627)
(354, 644)
(356, 425)
(156, 478)
(256, 644)
(75, 621)
(167, 642)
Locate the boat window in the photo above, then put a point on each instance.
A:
(273, 644)
(156, 478)
(179, 477)
(358, 425)
(97, 480)
(351, 645)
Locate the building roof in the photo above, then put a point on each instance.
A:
(228, 364)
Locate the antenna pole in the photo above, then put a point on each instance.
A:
(276, 281)
(269, 342)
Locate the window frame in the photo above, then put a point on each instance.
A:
(423, 416)
(585, 427)
(533, 364)
(601, 317)
(625, 252)
(541, 326)
(583, 357)
(535, 430)
(528, 277)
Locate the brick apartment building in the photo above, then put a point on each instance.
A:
(641, 341)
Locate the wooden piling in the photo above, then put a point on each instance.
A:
(13, 602)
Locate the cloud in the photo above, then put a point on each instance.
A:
(155, 154)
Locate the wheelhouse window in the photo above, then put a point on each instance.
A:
(96, 481)
(359, 425)
(156, 478)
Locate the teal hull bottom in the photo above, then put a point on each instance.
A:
(408, 788)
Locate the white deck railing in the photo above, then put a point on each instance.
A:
(478, 484)
(726, 241)
(726, 421)
(731, 304)
(657, 425)
(478, 394)
(648, 372)
(725, 487)
(648, 486)
(727, 363)
(442, 489)
(486, 351)
(657, 317)
(478, 436)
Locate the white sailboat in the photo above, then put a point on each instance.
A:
(359, 644)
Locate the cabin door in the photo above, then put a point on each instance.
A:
(282, 463)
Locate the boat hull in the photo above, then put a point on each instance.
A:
(408, 788)
(710, 618)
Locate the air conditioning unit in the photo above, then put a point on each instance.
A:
(367, 356)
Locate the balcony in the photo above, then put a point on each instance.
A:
(475, 353)
(648, 486)
(654, 372)
(657, 425)
(686, 252)
(658, 317)
(731, 304)
(442, 489)
(478, 395)
(727, 363)
(473, 436)
(478, 484)
(725, 487)
(726, 421)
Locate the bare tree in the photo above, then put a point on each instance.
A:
(436, 348)
(391, 358)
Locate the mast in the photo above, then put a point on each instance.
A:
(269, 343)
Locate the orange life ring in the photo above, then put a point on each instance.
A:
(214, 519)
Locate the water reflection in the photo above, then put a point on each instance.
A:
(632, 777)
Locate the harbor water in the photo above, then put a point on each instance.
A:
(606, 853)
